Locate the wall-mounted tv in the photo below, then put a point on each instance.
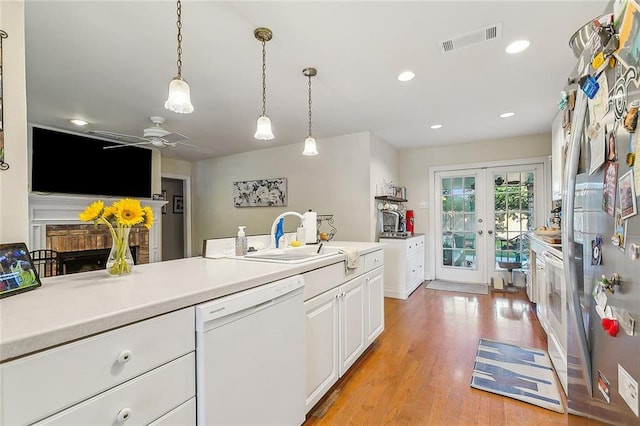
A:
(67, 163)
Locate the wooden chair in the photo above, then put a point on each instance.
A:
(46, 262)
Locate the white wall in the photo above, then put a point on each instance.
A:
(414, 168)
(174, 166)
(334, 182)
(14, 217)
(384, 168)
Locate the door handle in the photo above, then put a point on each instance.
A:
(490, 231)
(480, 232)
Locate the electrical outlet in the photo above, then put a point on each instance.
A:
(628, 389)
(423, 204)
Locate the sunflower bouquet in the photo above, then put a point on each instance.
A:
(119, 217)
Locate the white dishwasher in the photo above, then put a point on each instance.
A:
(250, 357)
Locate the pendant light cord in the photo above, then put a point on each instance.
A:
(264, 79)
(179, 25)
(309, 105)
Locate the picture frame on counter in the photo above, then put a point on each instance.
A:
(17, 271)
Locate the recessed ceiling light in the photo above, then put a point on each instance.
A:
(406, 76)
(79, 122)
(517, 46)
(436, 126)
(507, 114)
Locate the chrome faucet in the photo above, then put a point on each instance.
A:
(275, 222)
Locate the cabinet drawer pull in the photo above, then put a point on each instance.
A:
(124, 356)
(123, 415)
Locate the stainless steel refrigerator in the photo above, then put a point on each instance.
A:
(601, 231)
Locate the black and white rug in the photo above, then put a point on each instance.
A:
(458, 287)
(518, 372)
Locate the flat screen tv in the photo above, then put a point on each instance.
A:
(67, 163)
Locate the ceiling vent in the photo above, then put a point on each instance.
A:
(486, 34)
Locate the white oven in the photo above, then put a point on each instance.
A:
(556, 313)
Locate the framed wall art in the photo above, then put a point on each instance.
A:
(178, 204)
(260, 193)
(164, 197)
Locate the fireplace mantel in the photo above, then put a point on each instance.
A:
(64, 210)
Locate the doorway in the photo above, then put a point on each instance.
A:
(176, 224)
(481, 217)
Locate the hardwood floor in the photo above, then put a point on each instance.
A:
(418, 371)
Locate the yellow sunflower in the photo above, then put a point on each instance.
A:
(92, 212)
(148, 217)
(109, 213)
(128, 212)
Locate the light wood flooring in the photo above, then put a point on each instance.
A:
(418, 371)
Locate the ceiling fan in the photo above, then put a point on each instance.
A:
(154, 135)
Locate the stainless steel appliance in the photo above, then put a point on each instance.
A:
(603, 366)
(390, 221)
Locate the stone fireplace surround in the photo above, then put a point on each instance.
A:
(54, 224)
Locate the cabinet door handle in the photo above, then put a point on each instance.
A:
(123, 415)
(124, 356)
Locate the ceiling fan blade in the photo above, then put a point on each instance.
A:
(121, 137)
(174, 137)
(126, 144)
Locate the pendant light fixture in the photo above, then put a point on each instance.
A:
(263, 128)
(310, 142)
(179, 99)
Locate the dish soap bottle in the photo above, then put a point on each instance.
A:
(279, 232)
(241, 242)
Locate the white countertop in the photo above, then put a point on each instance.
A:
(75, 306)
(538, 242)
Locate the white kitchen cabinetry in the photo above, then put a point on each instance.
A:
(341, 322)
(404, 271)
(137, 373)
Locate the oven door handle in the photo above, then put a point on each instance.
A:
(552, 260)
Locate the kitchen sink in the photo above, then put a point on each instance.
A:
(291, 254)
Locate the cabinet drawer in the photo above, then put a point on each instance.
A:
(373, 260)
(138, 401)
(415, 245)
(180, 416)
(39, 385)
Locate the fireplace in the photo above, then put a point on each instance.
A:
(54, 225)
(88, 260)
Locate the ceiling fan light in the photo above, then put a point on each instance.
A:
(263, 129)
(179, 99)
(310, 147)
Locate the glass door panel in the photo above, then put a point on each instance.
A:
(458, 228)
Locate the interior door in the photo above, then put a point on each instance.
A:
(460, 240)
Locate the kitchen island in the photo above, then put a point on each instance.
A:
(154, 304)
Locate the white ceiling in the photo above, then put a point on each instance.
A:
(110, 63)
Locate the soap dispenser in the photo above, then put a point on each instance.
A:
(279, 231)
(241, 242)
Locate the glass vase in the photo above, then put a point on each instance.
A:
(120, 260)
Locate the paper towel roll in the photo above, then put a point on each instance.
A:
(310, 225)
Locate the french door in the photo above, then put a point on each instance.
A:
(482, 216)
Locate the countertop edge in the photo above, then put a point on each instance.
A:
(45, 319)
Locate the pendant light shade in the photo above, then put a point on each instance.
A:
(263, 127)
(179, 96)
(179, 99)
(310, 148)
